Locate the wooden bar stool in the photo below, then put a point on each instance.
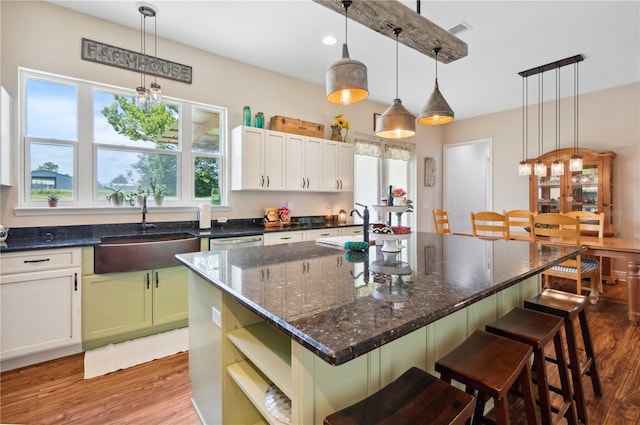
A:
(491, 364)
(416, 397)
(570, 307)
(538, 330)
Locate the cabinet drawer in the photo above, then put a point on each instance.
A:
(283, 237)
(48, 259)
(312, 235)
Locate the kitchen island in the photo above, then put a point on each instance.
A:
(329, 327)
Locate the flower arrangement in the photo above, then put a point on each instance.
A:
(399, 193)
(341, 122)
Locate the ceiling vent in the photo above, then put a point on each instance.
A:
(460, 28)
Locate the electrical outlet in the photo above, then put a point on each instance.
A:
(216, 317)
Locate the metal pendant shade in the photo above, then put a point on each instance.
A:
(396, 122)
(346, 80)
(437, 111)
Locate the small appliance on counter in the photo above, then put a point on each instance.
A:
(271, 218)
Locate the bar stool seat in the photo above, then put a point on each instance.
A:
(491, 364)
(539, 330)
(416, 397)
(570, 307)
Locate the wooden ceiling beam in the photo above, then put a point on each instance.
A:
(418, 32)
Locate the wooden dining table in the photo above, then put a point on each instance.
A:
(624, 249)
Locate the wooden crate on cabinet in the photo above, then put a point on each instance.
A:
(586, 190)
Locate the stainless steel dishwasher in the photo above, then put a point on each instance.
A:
(235, 242)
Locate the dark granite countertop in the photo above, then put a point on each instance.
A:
(24, 239)
(342, 304)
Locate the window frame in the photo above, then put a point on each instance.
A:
(85, 151)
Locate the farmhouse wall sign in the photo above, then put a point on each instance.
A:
(106, 54)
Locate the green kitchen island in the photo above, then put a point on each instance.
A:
(329, 327)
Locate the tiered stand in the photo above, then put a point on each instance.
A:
(390, 240)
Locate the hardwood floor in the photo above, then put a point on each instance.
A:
(159, 392)
(55, 392)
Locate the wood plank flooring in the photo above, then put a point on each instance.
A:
(159, 392)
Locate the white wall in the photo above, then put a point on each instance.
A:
(27, 37)
(609, 121)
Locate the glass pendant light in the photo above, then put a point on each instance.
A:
(575, 162)
(437, 111)
(346, 80)
(524, 167)
(396, 122)
(144, 98)
(557, 167)
(155, 92)
(540, 169)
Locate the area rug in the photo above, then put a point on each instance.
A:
(114, 357)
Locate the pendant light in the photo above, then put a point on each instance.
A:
(155, 92)
(557, 166)
(396, 122)
(437, 111)
(539, 168)
(575, 162)
(145, 98)
(524, 167)
(346, 80)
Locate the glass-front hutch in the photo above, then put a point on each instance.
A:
(586, 190)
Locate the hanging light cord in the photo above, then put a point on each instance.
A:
(436, 51)
(142, 43)
(346, 5)
(557, 112)
(540, 127)
(575, 108)
(397, 32)
(155, 42)
(523, 119)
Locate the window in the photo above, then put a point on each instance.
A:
(378, 164)
(84, 140)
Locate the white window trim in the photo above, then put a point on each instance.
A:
(84, 188)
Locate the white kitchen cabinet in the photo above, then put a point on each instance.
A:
(337, 166)
(303, 168)
(258, 159)
(5, 138)
(314, 234)
(40, 296)
(284, 237)
(351, 231)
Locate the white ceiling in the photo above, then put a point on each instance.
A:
(505, 37)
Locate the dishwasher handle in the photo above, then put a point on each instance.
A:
(237, 241)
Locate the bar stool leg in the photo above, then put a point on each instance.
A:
(588, 347)
(563, 369)
(574, 361)
(527, 392)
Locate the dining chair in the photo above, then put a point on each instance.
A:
(552, 225)
(441, 221)
(591, 223)
(520, 224)
(489, 224)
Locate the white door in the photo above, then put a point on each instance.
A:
(467, 182)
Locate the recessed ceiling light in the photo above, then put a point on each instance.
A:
(329, 40)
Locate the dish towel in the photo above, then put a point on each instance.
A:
(338, 241)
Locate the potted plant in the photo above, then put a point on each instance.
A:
(141, 194)
(158, 192)
(116, 197)
(53, 200)
(158, 195)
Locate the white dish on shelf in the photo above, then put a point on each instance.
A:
(278, 404)
(390, 208)
(389, 236)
